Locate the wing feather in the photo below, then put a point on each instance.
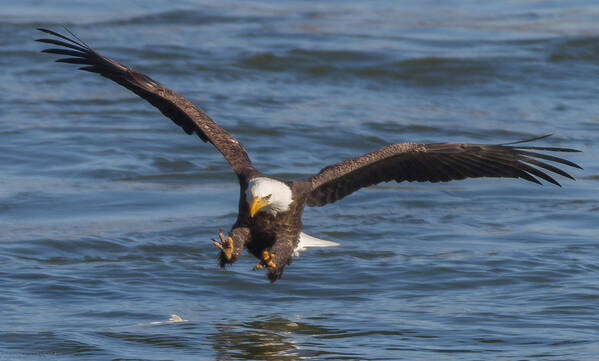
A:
(180, 110)
(436, 162)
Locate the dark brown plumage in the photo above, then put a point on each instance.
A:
(270, 211)
(434, 162)
(180, 110)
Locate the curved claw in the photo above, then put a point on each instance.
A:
(225, 245)
(267, 261)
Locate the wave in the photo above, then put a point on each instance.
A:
(338, 64)
(181, 17)
(585, 49)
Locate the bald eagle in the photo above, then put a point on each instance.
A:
(270, 210)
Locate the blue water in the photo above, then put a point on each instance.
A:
(107, 208)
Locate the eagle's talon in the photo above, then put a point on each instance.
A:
(267, 261)
(225, 245)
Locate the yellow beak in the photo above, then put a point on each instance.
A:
(257, 204)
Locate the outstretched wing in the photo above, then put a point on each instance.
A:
(435, 162)
(180, 110)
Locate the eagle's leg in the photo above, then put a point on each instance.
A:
(225, 245)
(232, 245)
(277, 256)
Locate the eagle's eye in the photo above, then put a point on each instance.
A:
(267, 197)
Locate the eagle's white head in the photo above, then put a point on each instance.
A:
(268, 195)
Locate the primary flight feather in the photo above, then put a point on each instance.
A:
(270, 210)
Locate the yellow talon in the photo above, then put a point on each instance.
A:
(267, 261)
(225, 245)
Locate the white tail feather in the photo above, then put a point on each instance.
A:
(308, 241)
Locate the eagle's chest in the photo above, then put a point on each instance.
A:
(266, 229)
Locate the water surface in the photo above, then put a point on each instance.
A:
(107, 208)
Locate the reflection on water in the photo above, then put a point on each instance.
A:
(266, 338)
(272, 337)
